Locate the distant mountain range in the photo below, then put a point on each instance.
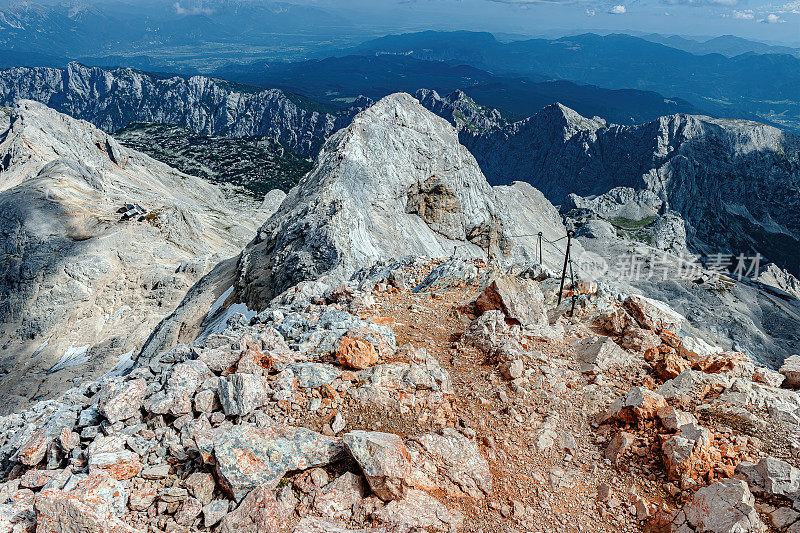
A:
(340, 80)
(725, 86)
(727, 45)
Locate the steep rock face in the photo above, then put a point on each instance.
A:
(81, 286)
(395, 182)
(735, 183)
(112, 99)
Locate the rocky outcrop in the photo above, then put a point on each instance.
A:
(397, 170)
(82, 284)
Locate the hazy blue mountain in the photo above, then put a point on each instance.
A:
(727, 45)
(340, 80)
(720, 84)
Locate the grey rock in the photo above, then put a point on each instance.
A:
(270, 453)
(241, 394)
(722, 507)
(772, 477)
(214, 512)
(384, 460)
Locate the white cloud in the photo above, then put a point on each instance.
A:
(618, 10)
(745, 14)
(772, 18)
(192, 10)
(590, 12)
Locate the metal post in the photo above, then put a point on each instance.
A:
(570, 234)
(540, 248)
(574, 289)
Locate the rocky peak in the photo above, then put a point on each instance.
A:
(396, 182)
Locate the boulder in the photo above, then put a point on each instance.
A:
(248, 457)
(33, 451)
(519, 299)
(638, 404)
(768, 377)
(122, 464)
(722, 507)
(118, 400)
(337, 498)
(459, 459)
(201, 485)
(771, 477)
(791, 372)
(640, 340)
(419, 510)
(214, 512)
(512, 369)
(672, 419)
(688, 454)
(616, 449)
(241, 394)
(89, 507)
(602, 352)
(654, 314)
(384, 460)
(356, 353)
(260, 512)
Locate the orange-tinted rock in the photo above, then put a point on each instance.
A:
(688, 455)
(671, 365)
(356, 353)
(616, 449)
(638, 404)
(259, 512)
(119, 465)
(640, 340)
(615, 321)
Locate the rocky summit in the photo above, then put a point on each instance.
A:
(390, 352)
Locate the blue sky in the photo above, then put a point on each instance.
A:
(770, 21)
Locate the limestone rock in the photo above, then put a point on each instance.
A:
(248, 457)
(459, 459)
(337, 498)
(241, 394)
(688, 454)
(653, 314)
(119, 400)
(356, 353)
(771, 477)
(520, 300)
(87, 507)
(602, 352)
(259, 512)
(384, 460)
(723, 507)
(791, 371)
(419, 510)
(638, 404)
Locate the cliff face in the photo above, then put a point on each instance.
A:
(81, 285)
(112, 99)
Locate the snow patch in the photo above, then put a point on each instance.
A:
(73, 356)
(124, 364)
